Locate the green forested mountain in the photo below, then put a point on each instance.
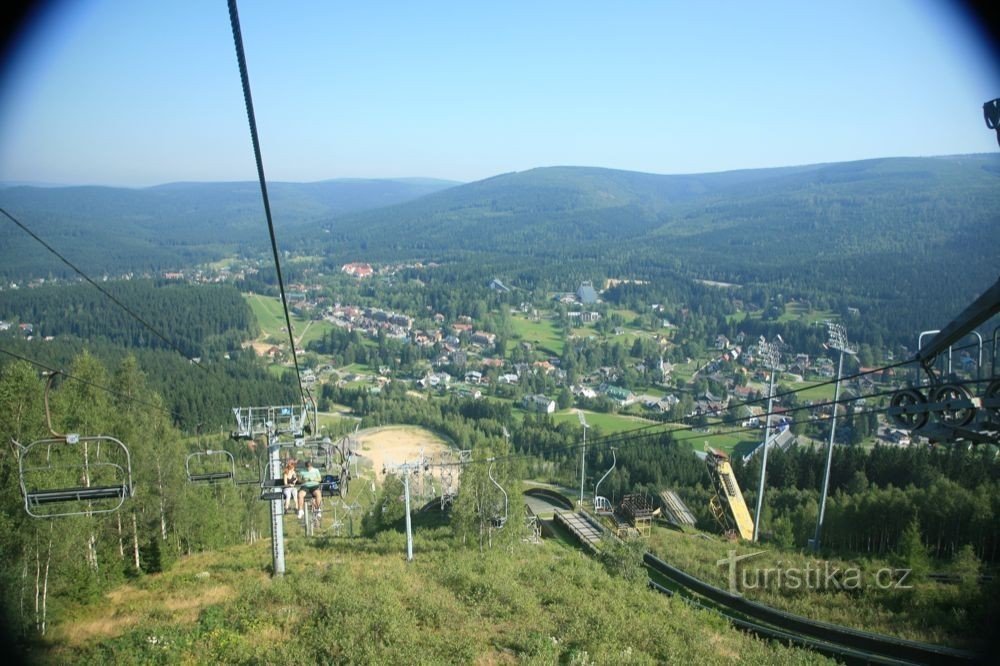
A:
(907, 241)
(884, 235)
(114, 230)
(854, 207)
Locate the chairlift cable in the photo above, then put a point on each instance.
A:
(624, 436)
(633, 436)
(131, 399)
(99, 288)
(234, 19)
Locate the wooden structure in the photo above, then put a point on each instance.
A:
(674, 509)
(586, 531)
(639, 510)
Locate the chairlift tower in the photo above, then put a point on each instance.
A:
(272, 423)
(838, 341)
(405, 469)
(770, 353)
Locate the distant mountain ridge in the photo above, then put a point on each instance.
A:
(892, 234)
(175, 224)
(827, 225)
(594, 204)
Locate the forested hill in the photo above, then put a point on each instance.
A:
(115, 230)
(878, 234)
(839, 203)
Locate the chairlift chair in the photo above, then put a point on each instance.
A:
(499, 521)
(601, 504)
(71, 476)
(75, 477)
(219, 463)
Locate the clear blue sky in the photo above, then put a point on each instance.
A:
(120, 92)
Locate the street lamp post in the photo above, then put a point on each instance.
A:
(838, 341)
(583, 452)
(768, 352)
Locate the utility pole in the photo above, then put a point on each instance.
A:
(583, 451)
(769, 353)
(838, 341)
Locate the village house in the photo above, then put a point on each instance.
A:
(586, 293)
(544, 366)
(539, 403)
(358, 270)
(435, 380)
(484, 338)
(622, 396)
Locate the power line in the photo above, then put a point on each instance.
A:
(99, 288)
(234, 19)
(127, 397)
(637, 435)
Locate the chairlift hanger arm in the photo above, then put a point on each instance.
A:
(984, 307)
(991, 114)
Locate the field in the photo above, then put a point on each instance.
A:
(271, 319)
(815, 391)
(608, 423)
(611, 424)
(393, 445)
(794, 311)
(544, 335)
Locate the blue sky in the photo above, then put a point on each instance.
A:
(118, 92)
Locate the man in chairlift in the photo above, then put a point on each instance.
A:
(310, 483)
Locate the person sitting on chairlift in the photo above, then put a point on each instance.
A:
(288, 480)
(310, 480)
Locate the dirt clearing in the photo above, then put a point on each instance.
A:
(394, 445)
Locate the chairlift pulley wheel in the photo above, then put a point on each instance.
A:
(954, 416)
(908, 398)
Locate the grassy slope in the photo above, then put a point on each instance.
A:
(929, 611)
(359, 601)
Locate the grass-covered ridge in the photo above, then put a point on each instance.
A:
(359, 601)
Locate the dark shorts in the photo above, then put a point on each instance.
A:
(309, 489)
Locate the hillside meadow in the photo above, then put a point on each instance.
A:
(359, 601)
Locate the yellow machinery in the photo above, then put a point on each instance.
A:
(727, 505)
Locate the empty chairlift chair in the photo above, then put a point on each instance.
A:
(499, 519)
(72, 475)
(211, 466)
(601, 504)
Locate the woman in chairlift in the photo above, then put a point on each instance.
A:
(289, 479)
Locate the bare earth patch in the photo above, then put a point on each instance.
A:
(128, 606)
(394, 445)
